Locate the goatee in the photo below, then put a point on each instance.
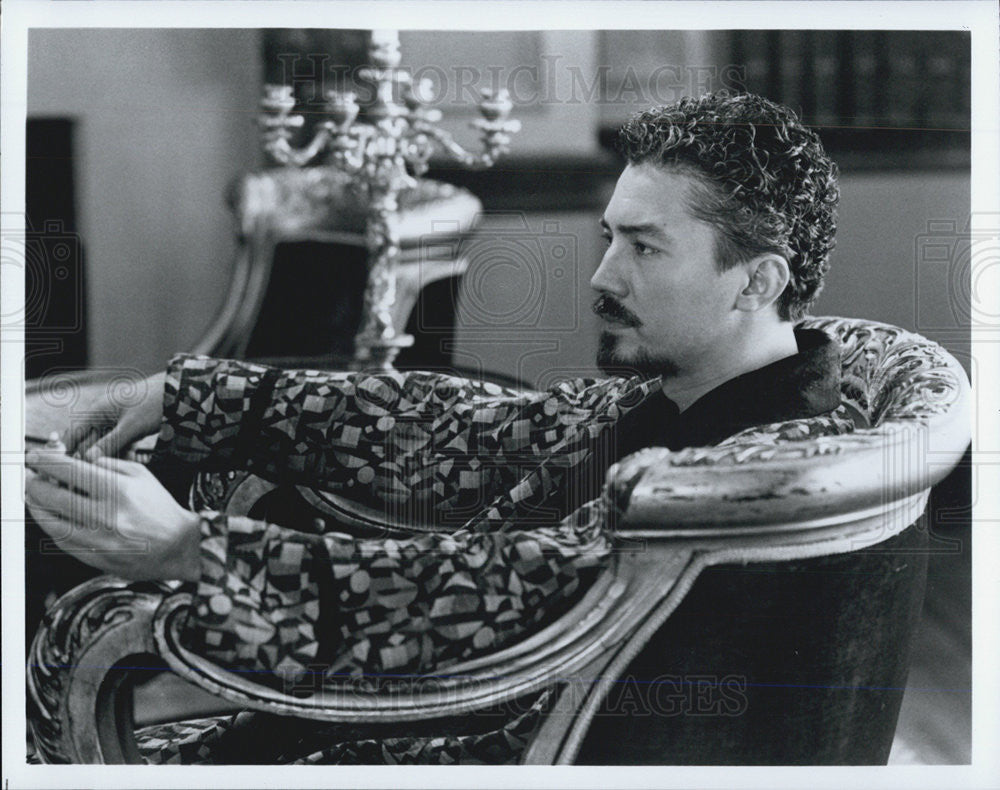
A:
(641, 363)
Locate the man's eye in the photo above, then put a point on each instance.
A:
(643, 249)
(607, 238)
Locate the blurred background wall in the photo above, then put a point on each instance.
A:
(164, 120)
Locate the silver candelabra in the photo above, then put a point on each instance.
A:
(385, 154)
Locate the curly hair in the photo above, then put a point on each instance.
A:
(761, 178)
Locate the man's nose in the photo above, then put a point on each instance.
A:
(607, 279)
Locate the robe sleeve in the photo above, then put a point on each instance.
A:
(294, 610)
(419, 441)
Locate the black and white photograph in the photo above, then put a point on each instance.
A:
(490, 387)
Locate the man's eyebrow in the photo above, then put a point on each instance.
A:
(647, 228)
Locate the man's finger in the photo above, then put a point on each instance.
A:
(52, 525)
(43, 493)
(120, 466)
(95, 547)
(89, 478)
(62, 502)
(35, 501)
(108, 445)
(79, 436)
(75, 434)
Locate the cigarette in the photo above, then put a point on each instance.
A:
(52, 441)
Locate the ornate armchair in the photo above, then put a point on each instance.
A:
(315, 210)
(759, 609)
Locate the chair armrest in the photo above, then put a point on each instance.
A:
(78, 665)
(764, 481)
(97, 639)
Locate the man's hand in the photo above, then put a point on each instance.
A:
(132, 421)
(113, 515)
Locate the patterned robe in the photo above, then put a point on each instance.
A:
(480, 463)
(509, 483)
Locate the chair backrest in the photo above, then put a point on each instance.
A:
(294, 202)
(891, 374)
(827, 511)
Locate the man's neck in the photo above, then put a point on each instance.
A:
(747, 351)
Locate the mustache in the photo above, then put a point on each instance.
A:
(607, 306)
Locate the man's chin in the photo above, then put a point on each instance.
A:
(613, 360)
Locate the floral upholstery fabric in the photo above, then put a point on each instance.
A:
(221, 740)
(890, 374)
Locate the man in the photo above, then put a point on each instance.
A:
(718, 233)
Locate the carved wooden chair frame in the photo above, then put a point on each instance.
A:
(317, 204)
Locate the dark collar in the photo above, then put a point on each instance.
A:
(805, 384)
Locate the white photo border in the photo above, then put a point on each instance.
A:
(978, 16)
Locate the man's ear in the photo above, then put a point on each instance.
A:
(767, 277)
